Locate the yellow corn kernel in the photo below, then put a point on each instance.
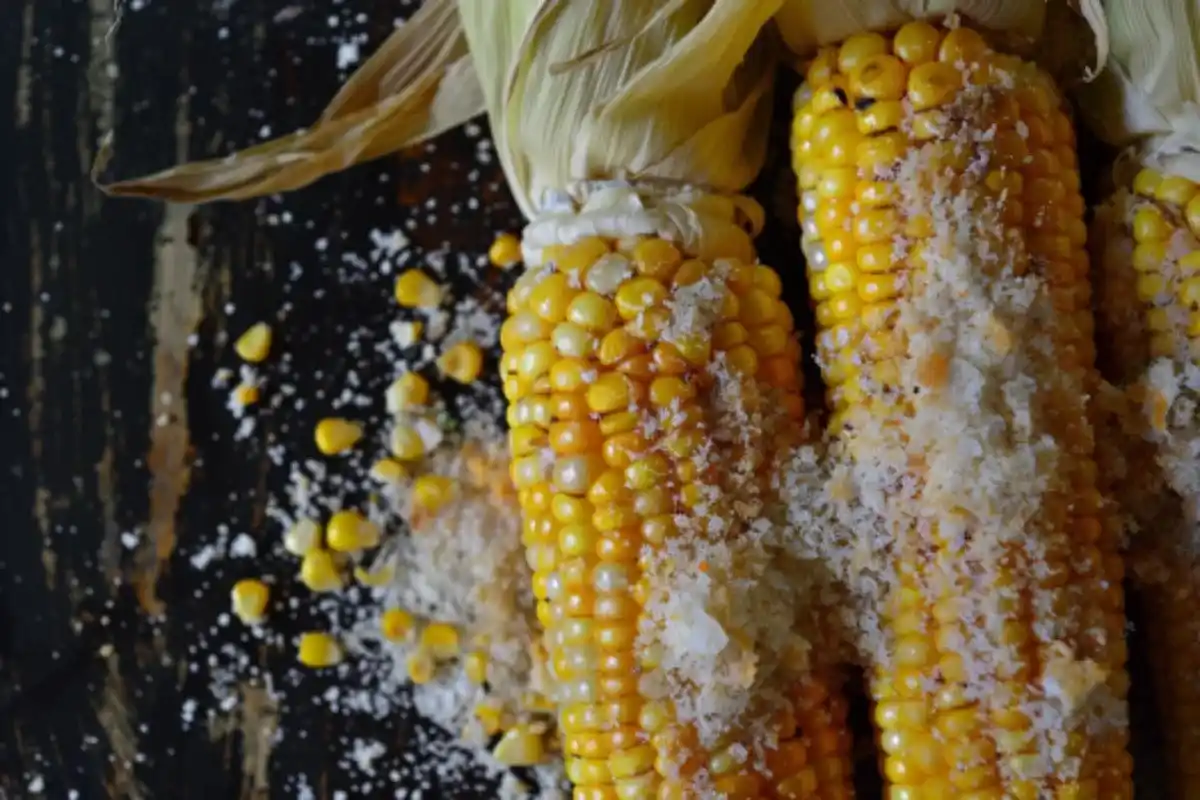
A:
(245, 394)
(254, 345)
(522, 746)
(440, 640)
(656, 258)
(318, 649)
(462, 362)
(432, 492)
(396, 624)
(1146, 182)
(388, 470)
(249, 598)
(415, 289)
(1192, 213)
(376, 576)
(334, 435)
(408, 391)
(420, 666)
(319, 572)
(932, 85)
(505, 251)
(348, 531)
(476, 666)
(303, 537)
(1149, 224)
(1176, 190)
(490, 716)
(406, 443)
(916, 43)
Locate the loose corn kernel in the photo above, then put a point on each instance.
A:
(415, 289)
(375, 576)
(388, 470)
(408, 391)
(475, 665)
(432, 492)
(334, 435)
(249, 597)
(490, 717)
(520, 747)
(303, 537)
(505, 251)
(462, 362)
(246, 394)
(420, 666)
(348, 531)
(440, 640)
(406, 443)
(319, 572)
(254, 345)
(318, 650)
(396, 624)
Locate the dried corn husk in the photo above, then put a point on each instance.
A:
(419, 84)
(1148, 98)
(808, 24)
(649, 91)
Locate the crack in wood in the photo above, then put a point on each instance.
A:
(178, 308)
(114, 715)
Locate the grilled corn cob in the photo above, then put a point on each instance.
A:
(610, 416)
(941, 211)
(1148, 277)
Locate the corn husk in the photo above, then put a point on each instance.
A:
(671, 91)
(1074, 32)
(417, 85)
(1148, 99)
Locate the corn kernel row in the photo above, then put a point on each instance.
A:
(869, 104)
(586, 366)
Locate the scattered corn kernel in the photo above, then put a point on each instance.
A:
(432, 492)
(505, 252)
(334, 435)
(408, 391)
(255, 344)
(245, 394)
(475, 665)
(396, 624)
(388, 470)
(440, 640)
(462, 362)
(374, 577)
(249, 598)
(520, 747)
(407, 444)
(349, 531)
(303, 537)
(420, 666)
(319, 572)
(415, 289)
(319, 650)
(491, 718)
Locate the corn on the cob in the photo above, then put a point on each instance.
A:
(608, 408)
(939, 178)
(1148, 274)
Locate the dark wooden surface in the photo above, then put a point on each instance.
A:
(118, 462)
(117, 459)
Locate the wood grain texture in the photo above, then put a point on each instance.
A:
(117, 461)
